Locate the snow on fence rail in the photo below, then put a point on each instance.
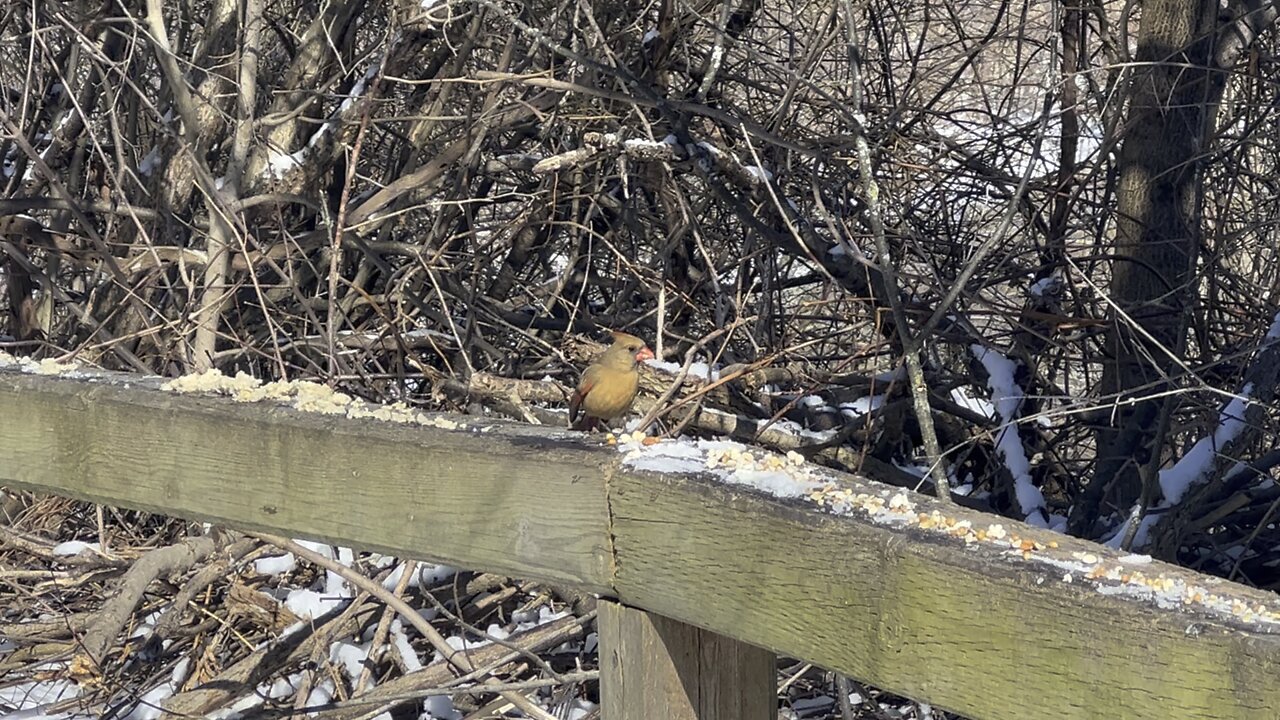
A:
(987, 617)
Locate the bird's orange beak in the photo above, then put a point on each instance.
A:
(644, 354)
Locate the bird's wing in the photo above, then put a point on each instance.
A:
(589, 379)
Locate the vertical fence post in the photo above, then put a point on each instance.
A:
(654, 667)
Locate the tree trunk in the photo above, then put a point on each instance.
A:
(1173, 97)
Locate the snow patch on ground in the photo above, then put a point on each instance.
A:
(861, 406)
(75, 547)
(425, 575)
(309, 604)
(32, 695)
(276, 565)
(699, 370)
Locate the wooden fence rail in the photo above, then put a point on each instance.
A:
(973, 613)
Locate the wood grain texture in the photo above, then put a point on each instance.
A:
(506, 498)
(655, 667)
(920, 614)
(972, 629)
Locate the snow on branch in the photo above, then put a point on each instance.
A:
(1237, 423)
(1007, 398)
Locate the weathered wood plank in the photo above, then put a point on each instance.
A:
(967, 627)
(921, 614)
(655, 667)
(512, 499)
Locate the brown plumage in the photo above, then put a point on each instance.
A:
(608, 386)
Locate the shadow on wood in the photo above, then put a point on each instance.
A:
(655, 667)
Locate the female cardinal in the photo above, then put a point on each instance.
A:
(609, 384)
